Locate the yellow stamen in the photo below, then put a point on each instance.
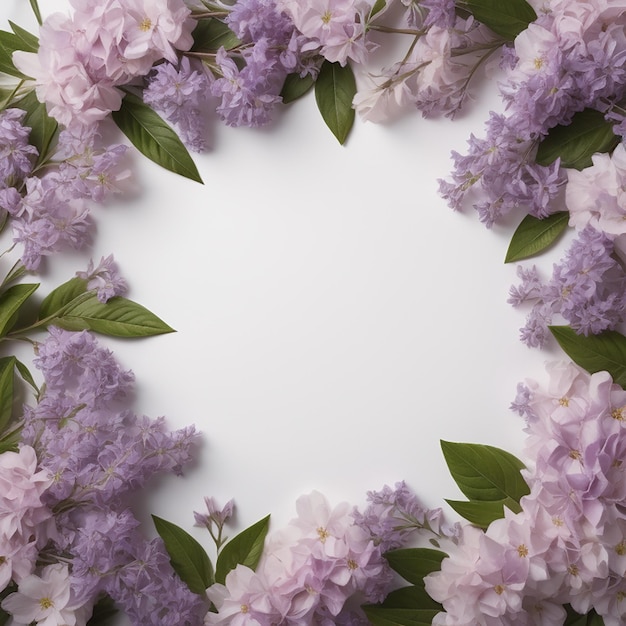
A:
(145, 25)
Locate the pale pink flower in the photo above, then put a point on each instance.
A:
(46, 600)
(596, 195)
(21, 488)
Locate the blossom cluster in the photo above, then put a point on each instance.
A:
(65, 496)
(568, 544)
(324, 563)
(568, 59)
(50, 209)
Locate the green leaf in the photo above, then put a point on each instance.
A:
(30, 43)
(575, 143)
(60, 297)
(414, 597)
(381, 616)
(7, 375)
(119, 317)
(10, 303)
(295, 87)
(9, 43)
(154, 138)
(483, 513)
(10, 440)
(43, 127)
(379, 5)
(104, 611)
(188, 557)
(35, 7)
(533, 235)
(26, 375)
(413, 564)
(605, 352)
(245, 548)
(484, 473)
(334, 90)
(211, 34)
(507, 18)
(576, 619)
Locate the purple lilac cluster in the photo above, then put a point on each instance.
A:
(323, 564)
(97, 452)
(570, 58)
(50, 210)
(568, 544)
(587, 289)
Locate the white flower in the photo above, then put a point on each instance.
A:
(45, 600)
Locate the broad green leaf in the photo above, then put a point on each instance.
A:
(245, 548)
(104, 612)
(60, 297)
(576, 619)
(188, 557)
(595, 353)
(414, 597)
(30, 43)
(119, 317)
(7, 374)
(9, 43)
(211, 34)
(381, 616)
(43, 127)
(295, 87)
(154, 138)
(484, 473)
(575, 143)
(413, 564)
(483, 513)
(334, 90)
(533, 235)
(34, 5)
(10, 303)
(507, 18)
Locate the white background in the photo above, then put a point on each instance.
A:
(335, 318)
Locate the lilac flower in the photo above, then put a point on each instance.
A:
(104, 279)
(16, 154)
(588, 289)
(180, 95)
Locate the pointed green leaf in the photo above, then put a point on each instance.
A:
(295, 87)
(104, 612)
(507, 18)
(26, 375)
(334, 90)
(188, 557)
(43, 127)
(30, 43)
(413, 564)
(483, 513)
(7, 374)
(154, 138)
(576, 619)
(119, 317)
(605, 352)
(60, 297)
(379, 5)
(211, 34)
(381, 616)
(35, 7)
(9, 43)
(11, 301)
(576, 142)
(246, 549)
(533, 235)
(413, 597)
(485, 473)
(9, 440)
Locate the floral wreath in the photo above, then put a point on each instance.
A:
(544, 541)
